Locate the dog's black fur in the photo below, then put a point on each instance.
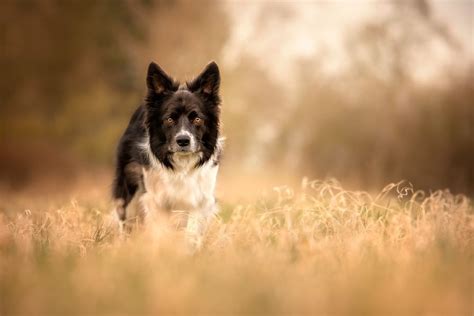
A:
(167, 101)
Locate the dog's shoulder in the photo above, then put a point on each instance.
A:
(129, 148)
(218, 151)
(136, 127)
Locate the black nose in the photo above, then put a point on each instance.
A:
(183, 140)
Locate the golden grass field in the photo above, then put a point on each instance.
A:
(314, 249)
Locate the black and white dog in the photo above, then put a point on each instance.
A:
(169, 153)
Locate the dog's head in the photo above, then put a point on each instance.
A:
(183, 120)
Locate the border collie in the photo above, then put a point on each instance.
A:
(169, 154)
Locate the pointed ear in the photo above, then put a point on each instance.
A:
(208, 81)
(157, 80)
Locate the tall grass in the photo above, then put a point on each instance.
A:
(318, 249)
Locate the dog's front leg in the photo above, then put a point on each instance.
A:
(195, 229)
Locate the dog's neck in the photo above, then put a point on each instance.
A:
(184, 163)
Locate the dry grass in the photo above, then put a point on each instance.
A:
(316, 250)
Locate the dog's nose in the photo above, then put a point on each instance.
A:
(183, 140)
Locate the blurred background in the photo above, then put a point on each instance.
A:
(366, 92)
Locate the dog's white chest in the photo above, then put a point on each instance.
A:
(185, 188)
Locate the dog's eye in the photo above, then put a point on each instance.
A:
(169, 121)
(197, 121)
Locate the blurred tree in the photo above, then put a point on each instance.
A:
(53, 48)
(376, 123)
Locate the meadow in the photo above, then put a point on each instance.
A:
(367, 92)
(313, 248)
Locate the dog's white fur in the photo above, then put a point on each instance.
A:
(185, 188)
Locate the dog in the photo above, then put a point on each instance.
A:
(168, 156)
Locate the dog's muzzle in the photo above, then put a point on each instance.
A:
(184, 142)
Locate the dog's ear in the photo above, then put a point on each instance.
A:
(157, 80)
(208, 80)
